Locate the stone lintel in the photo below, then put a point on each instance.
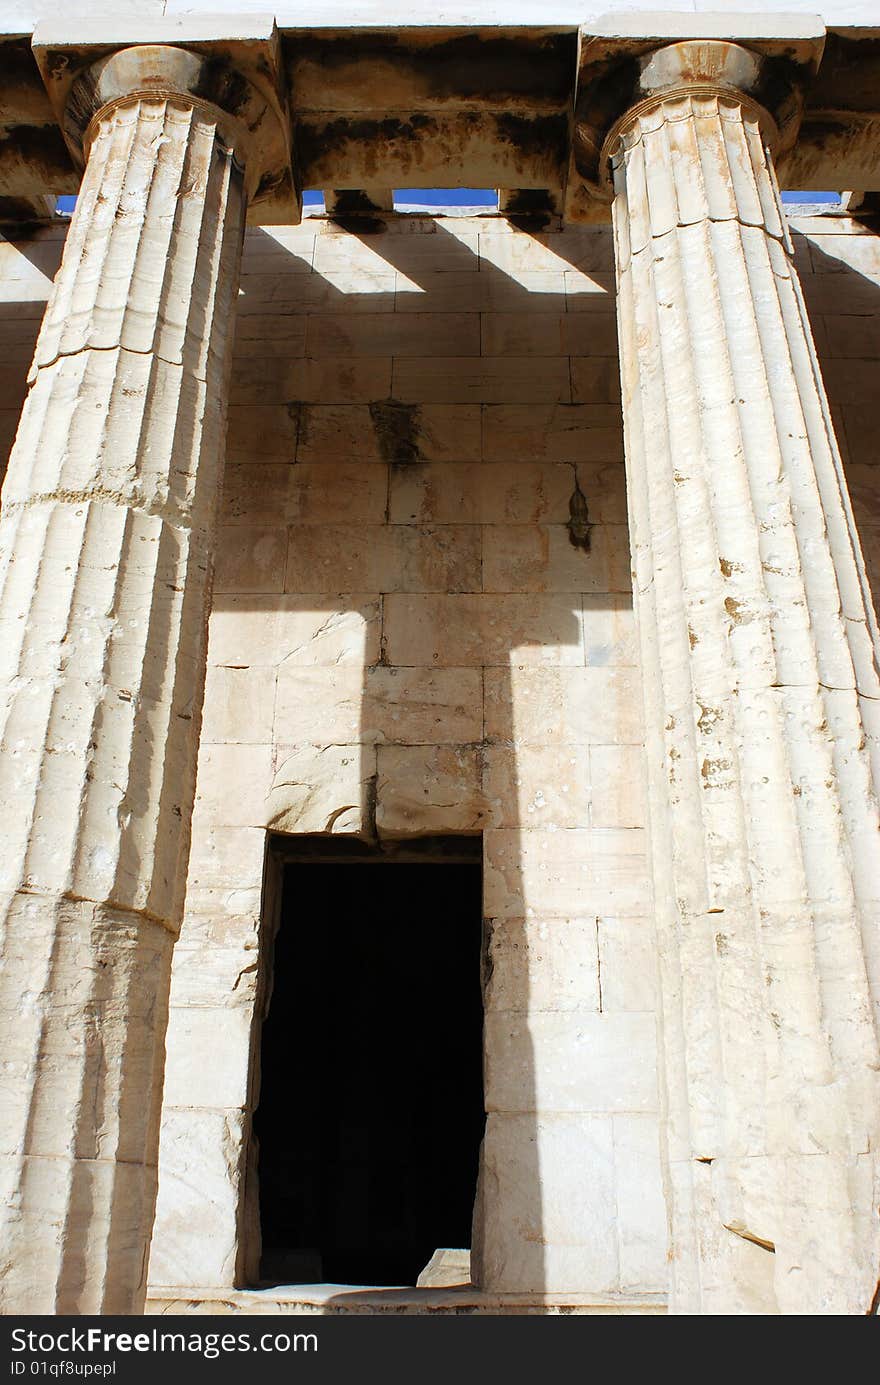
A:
(798, 36)
(406, 103)
(73, 60)
(619, 65)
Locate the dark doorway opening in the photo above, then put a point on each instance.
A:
(371, 1095)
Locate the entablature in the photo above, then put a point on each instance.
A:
(410, 104)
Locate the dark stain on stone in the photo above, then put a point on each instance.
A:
(298, 413)
(536, 137)
(56, 61)
(21, 87)
(463, 67)
(579, 526)
(823, 132)
(868, 211)
(273, 183)
(39, 149)
(359, 224)
(352, 201)
(849, 74)
(371, 804)
(778, 91)
(21, 211)
(317, 144)
(530, 209)
(603, 95)
(221, 84)
(531, 222)
(82, 102)
(531, 200)
(397, 431)
(353, 210)
(487, 961)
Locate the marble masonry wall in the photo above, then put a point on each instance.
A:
(405, 640)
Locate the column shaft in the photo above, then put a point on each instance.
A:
(758, 645)
(105, 547)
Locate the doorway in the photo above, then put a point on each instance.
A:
(371, 1094)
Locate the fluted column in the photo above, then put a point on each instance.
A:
(758, 646)
(105, 557)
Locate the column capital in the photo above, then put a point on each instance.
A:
(763, 63)
(94, 67)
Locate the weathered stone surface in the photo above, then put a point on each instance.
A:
(108, 516)
(537, 720)
(82, 1090)
(595, 380)
(393, 334)
(564, 706)
(585, 432)
(262, 432)
(565, 1222)
(628, 963)
(419, 249)
(610, 635)
(216, 957)
(466, 379)
(446, 1267)
(271, 379)
(250, 556)
(476, 700)
(542, 964)
(249, 630)
(233, 782)
(570, 1061)
(641, 1206)
(288, 334)
(537, 786)
(389, 432)
(239, 705)
(756, 643)
(212, 1056)
(453, 291)
(542, 558)
(197, 1229)
(580, 248)
(617, 777)
(225, 858)
(415, 706)
(564, 872)
(482, 630)
(321, 788)
(433, 789)
(382, 557)
(356, 492)
(461, 492)
(256, 494)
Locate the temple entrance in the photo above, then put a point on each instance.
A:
(371, 1100)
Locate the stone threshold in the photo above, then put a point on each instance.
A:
(328, 1299)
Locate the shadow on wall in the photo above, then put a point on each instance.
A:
(441, 485)
(844, 310)
(514, 603)
(474, 641)
(27, 268)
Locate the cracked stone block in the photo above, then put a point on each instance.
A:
(322, 789)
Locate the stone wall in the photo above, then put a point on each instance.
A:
(405, 640)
